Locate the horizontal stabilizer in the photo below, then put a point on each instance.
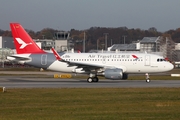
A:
(18, 58)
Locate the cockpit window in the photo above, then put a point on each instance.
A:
(160, 60)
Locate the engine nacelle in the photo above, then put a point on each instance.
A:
(115, 74)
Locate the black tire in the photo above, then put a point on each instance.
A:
(95, 79)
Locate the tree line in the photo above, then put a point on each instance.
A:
(97, 35)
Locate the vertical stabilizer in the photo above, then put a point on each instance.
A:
(22, 41)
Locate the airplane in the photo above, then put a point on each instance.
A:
(114, 66)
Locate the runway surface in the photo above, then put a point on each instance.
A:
(23, 82)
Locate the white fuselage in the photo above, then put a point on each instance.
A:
(145, 63)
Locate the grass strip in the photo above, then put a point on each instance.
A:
(90, 104)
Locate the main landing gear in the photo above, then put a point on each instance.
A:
(147, 78)
(92, 78)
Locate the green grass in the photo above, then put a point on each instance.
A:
(91, 104)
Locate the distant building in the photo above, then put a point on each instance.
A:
(62, 41)
(124, 47)
(159, 45)
(45, 44)
(6, 42)
(177, 49)
(150, 44)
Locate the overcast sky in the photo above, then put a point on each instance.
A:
(83, 14)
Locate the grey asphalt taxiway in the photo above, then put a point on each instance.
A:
(18, 80)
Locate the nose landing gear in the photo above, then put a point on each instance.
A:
(147, 78)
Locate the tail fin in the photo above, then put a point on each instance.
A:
(22, 41)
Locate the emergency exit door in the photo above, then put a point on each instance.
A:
(147, 60)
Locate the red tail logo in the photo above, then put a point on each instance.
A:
(22, 41)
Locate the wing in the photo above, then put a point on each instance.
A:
(85, 66)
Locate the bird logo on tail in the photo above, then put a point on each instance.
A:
(23, 44)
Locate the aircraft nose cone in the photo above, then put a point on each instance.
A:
(171, 66)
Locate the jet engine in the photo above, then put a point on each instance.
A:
(115, 74)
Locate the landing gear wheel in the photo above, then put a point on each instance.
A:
(95, 79)
(89, 79)
(148, 80)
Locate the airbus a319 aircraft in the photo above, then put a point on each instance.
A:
(115, 66)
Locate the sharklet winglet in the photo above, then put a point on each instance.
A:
(56, 54)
